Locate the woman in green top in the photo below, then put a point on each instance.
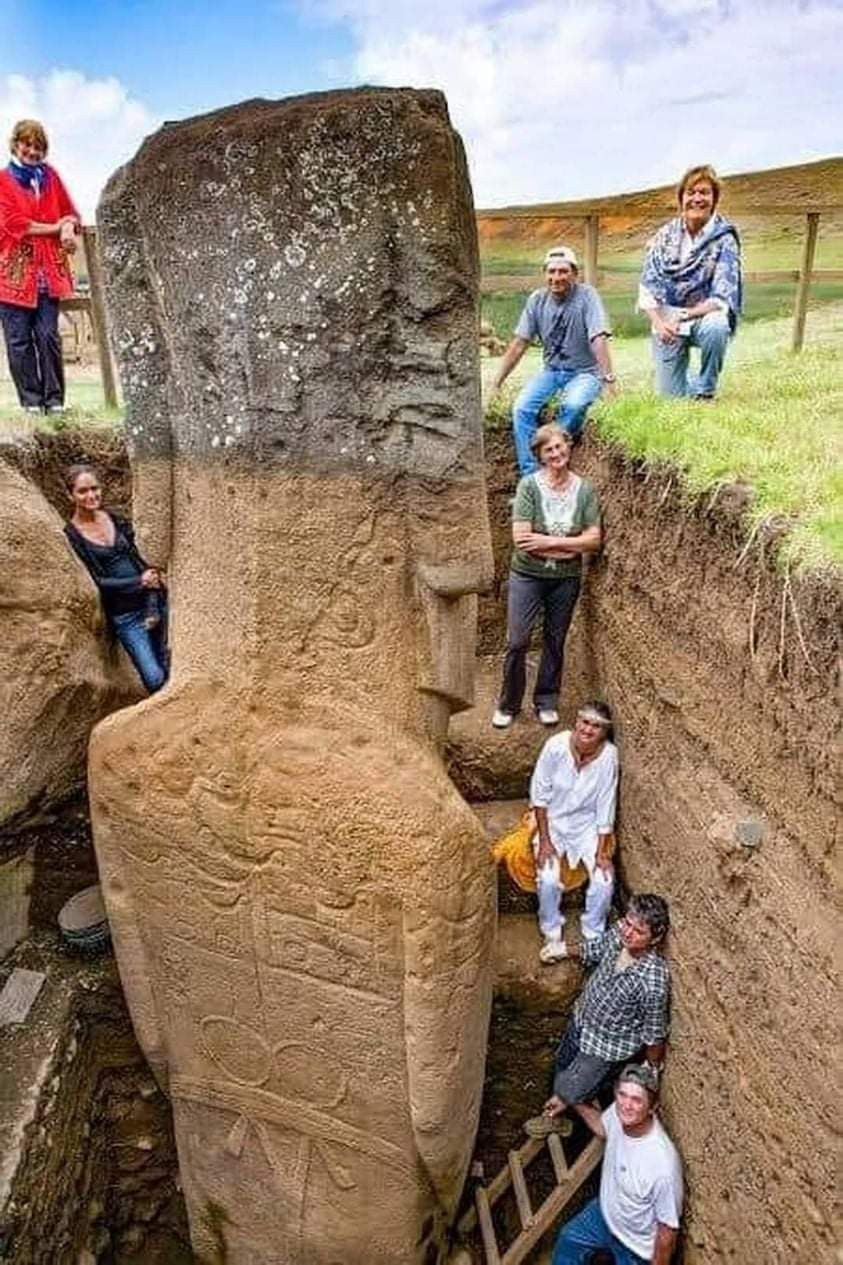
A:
(555, 520)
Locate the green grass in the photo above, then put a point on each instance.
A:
(777, 425)
(85, 407)
(763, 302)
(764, 249)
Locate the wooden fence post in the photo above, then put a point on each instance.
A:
(98, 318)
(592, 223)
(801, 307)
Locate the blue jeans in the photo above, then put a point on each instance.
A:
(586, 1231)
(711, 334)
(579, 389)
(146, 647)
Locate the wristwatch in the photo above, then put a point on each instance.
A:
(610, 377)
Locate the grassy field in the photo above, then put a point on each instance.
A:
(776, 249)
(763, 302)
(765, 247)
(511, 250)
(777, 425)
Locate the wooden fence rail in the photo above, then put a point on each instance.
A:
(591, 214)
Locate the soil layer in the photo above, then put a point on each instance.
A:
(722, 673)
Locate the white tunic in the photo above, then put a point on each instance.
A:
(580, 803)
(640, 1185)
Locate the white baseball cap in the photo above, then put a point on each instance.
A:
(560, 255)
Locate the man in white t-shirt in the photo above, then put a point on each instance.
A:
(637, 1213)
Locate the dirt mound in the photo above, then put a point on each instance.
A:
(44, 457)
(59, 671)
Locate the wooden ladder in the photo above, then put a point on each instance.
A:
(533, 1224)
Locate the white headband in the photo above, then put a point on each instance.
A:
(589, 714)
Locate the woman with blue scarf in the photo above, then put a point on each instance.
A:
(691, 288)
(38, 229)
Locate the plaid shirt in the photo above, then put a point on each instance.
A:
(619, 1011)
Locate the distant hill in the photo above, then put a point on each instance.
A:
(806, 186)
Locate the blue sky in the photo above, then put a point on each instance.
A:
(178, 58)
(554, 98)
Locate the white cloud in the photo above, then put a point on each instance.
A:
(560, 99)
(93, 126)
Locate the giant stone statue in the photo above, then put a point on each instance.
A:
(302, 905)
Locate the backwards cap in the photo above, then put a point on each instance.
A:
(640, 1074)
(560, 255)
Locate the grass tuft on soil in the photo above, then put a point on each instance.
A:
(85, 407)
(777, 426)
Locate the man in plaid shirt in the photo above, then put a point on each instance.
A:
(624, 1006)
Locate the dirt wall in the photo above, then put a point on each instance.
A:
(89, 1168)
(723, 675)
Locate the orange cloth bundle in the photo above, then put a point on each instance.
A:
(515, 850)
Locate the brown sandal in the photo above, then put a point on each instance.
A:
(543, 1126)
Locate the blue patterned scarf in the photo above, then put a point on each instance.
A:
(30, 176)
(711, 271)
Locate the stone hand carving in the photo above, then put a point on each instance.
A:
(302, 905)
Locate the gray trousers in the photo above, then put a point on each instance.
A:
(528, 597)
(578, 1076)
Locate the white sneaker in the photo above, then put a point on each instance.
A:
(502, 720)
(548, 715)
(553, 951)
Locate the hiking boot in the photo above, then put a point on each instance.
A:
(502, 720)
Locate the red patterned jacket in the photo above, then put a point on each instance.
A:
(23, 256)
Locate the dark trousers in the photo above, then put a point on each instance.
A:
(528, 598)
(33, 349)
(578, 1076)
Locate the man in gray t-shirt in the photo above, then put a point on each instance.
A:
(569, 320)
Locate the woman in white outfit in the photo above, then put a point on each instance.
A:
(573, 793)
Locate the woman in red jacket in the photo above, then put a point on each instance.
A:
(38, 228)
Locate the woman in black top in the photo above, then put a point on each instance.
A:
(133, 594)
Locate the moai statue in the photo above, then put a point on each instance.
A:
(301, 903)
